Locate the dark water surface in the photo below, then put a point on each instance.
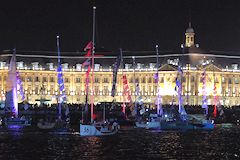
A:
(129, 143)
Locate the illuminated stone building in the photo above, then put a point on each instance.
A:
(39, 76)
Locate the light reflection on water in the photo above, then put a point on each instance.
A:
(127, 144)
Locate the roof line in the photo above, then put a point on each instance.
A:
(108, 57)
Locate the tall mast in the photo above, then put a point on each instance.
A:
(121, 84)
(158, 90)
(134, 80)
(58, 70)
(93, 51)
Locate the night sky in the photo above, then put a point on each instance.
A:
(135, 25)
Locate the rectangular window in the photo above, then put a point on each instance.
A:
(52, 79)
(78, 90)
(96, 92)
(37, 79)
(105, 80)
(44, 79)
(66, 80)
(36, 90)
(229, 80)
(105, 90)
(149, 80)
(192, 78)
(136, 80)
(29, 79)
(216, 80)
(96, 80)
(161, 79)
(131, 80)
(223, 79)
(78, 80)
(236, 80)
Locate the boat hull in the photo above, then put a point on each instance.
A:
(46, 126)
(17, 122)
(148, 125)
(185, 126)
(92, 130)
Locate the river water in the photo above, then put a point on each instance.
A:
(129, 143)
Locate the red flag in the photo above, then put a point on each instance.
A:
(89, 46)
(126, 91)
(87, 79)
(88, 54)
(215, 101)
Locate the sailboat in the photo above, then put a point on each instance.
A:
(102, 128)
(12, 119)
(184, 121)
(59, 125)
(153, 121)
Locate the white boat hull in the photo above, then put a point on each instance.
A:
(93, 130)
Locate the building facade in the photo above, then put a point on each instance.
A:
(40, 82)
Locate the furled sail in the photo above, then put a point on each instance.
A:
(178, 88)
(11, 102)
(62, 96)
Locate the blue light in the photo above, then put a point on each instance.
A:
(165, 115)
(15, 127)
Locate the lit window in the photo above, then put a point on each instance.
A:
(78, 80)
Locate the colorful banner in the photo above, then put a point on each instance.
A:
(126, 92)
(62, 96)
(215, 100)
(178, 88)
(115, 70)
(204, 93)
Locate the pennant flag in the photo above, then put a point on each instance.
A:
(89, 46)
(204, 93)
(215, 100)
(159, 103)
(89, 52)
(115, 70)
(86, 63)
(19, 83)
(62, 96)
(126, 91)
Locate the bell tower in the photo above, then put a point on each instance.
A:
(189, 35)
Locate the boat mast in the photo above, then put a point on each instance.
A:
(59, 65)
(157, 80)
(121, 84)
(93, 51)
(134, 80)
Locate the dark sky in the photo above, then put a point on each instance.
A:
(130, 24)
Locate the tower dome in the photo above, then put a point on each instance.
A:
(189, 30)
(189, 35)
